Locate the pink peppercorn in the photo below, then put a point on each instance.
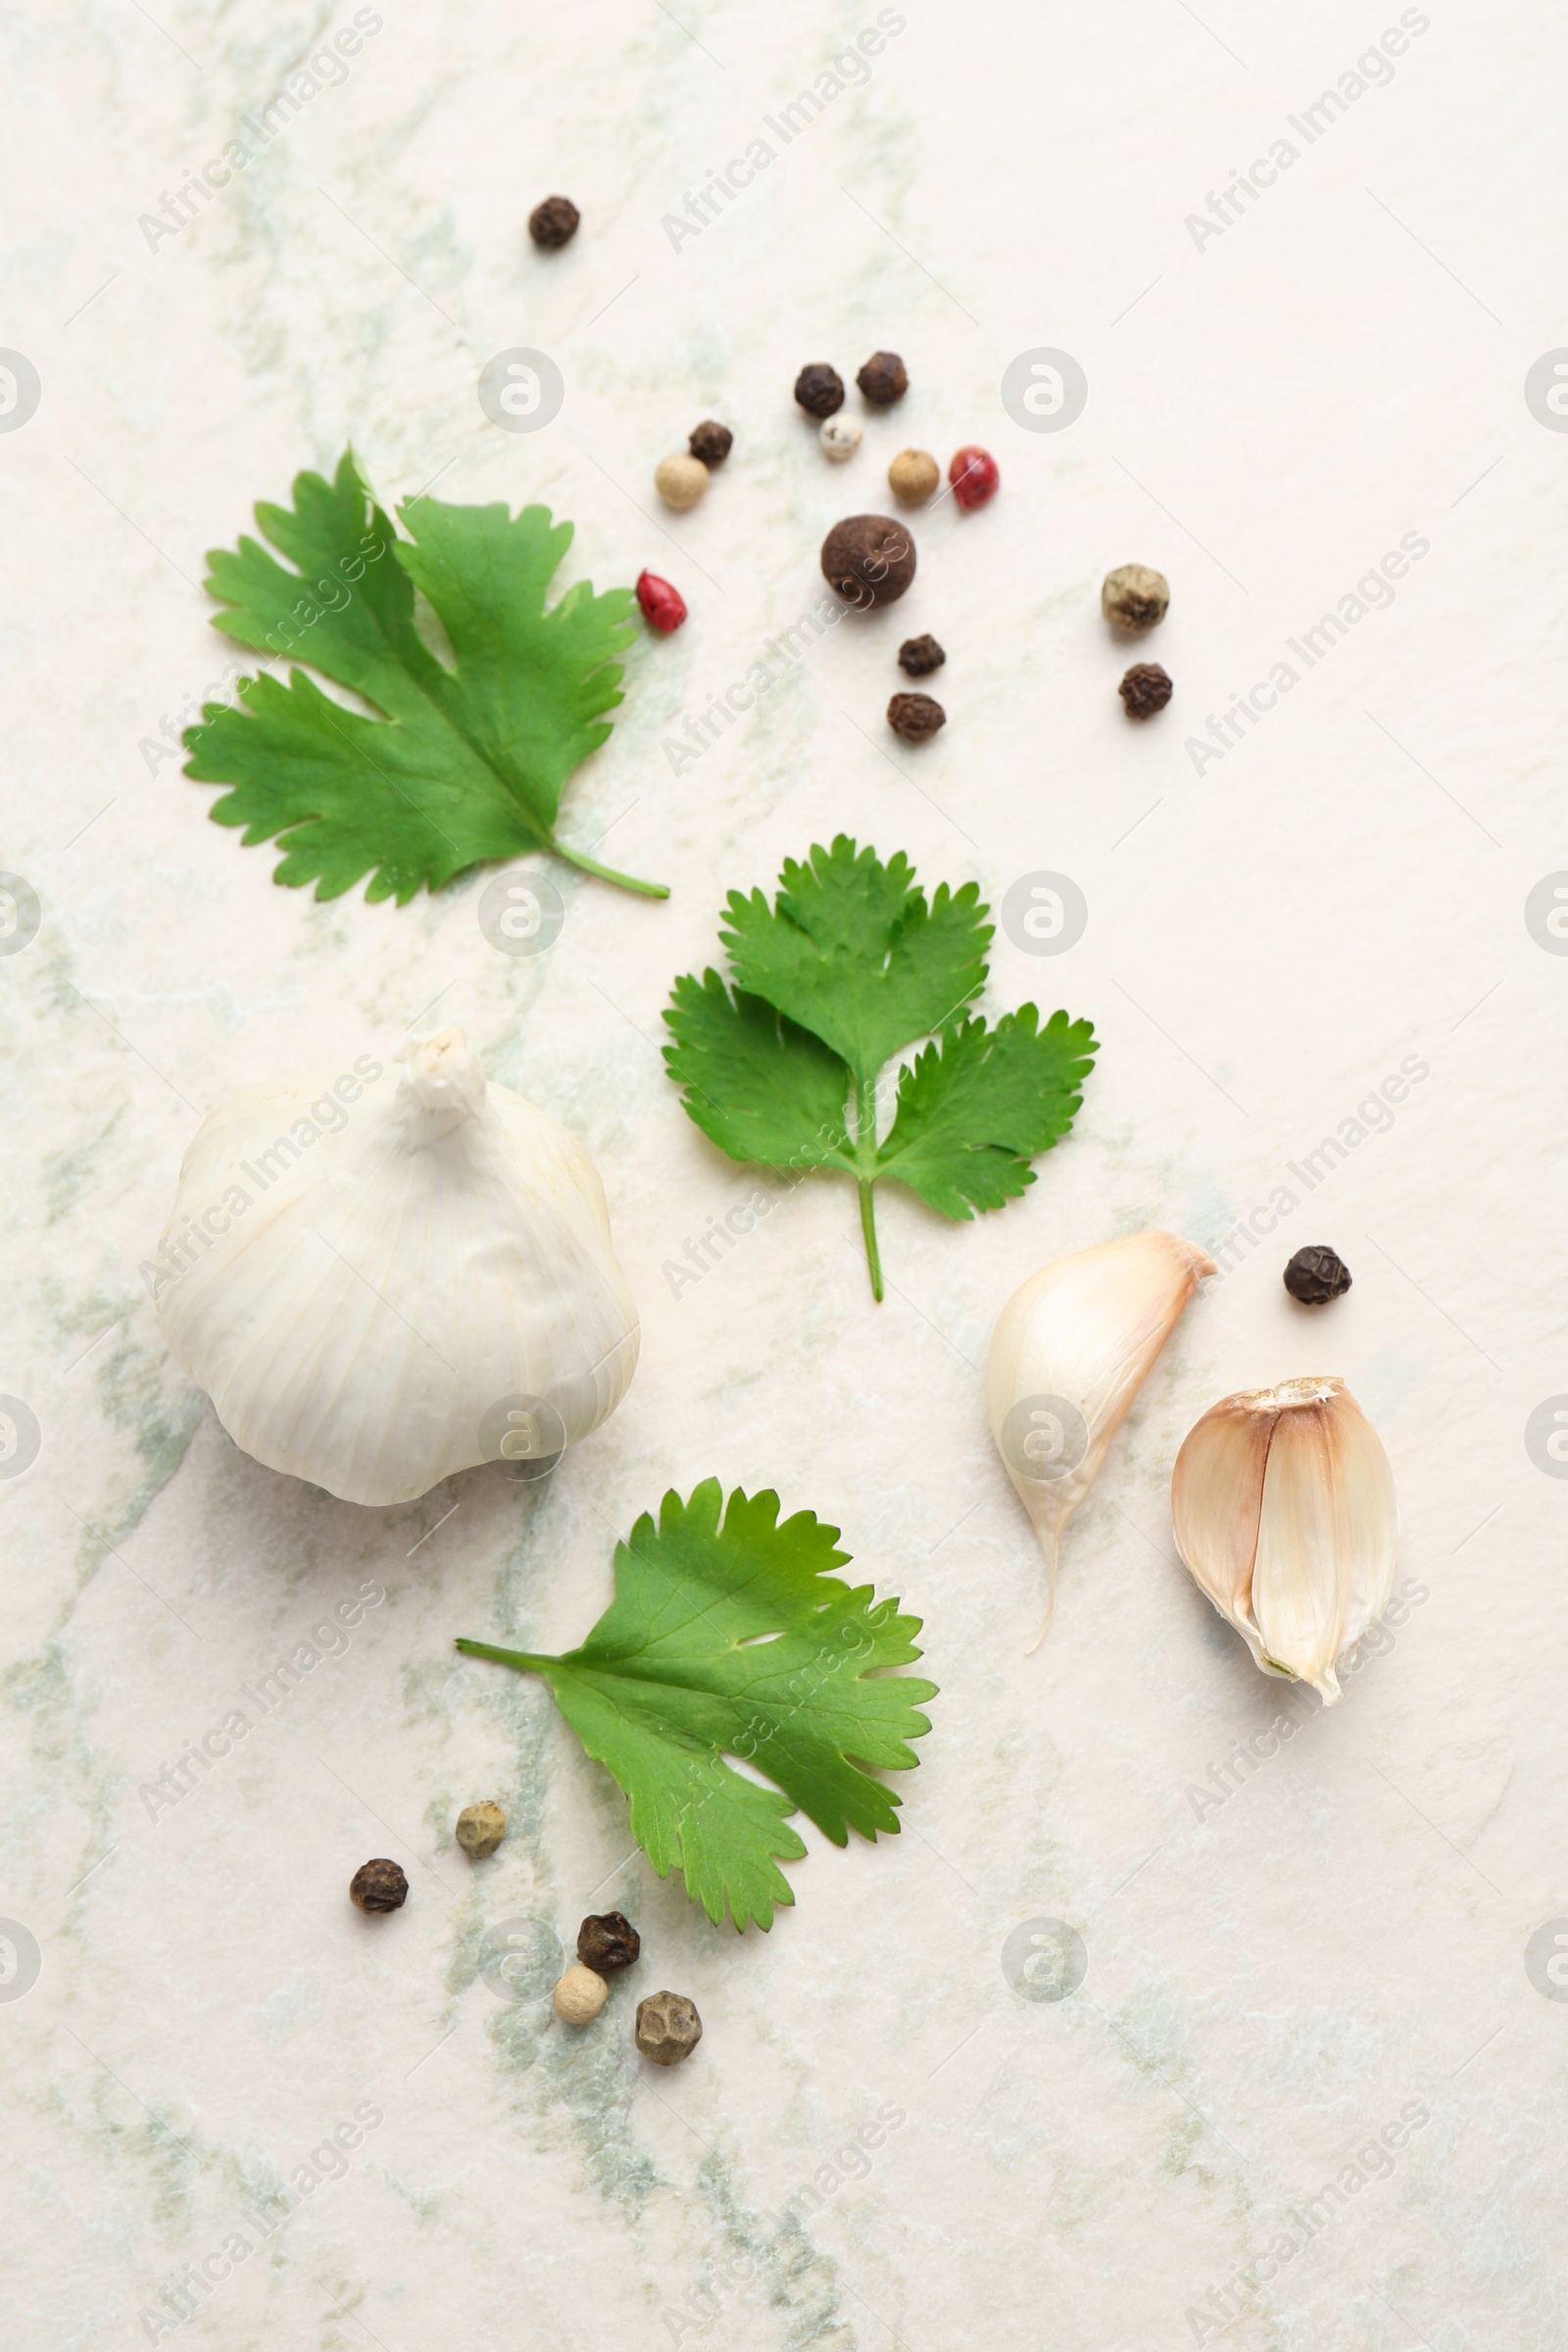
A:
(975, 477)
(663, 606)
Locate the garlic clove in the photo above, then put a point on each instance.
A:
(1216, 1502)
(1071, 1349)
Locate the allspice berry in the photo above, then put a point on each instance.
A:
(883, 379)
(1134, 597)
(913, 475)
(915, 716)
(607, 1940)
(868, 559)
(480, 1829)
(918, 657)
(1317, 1274)
(680, 480)
(378, 1886)
(1146, 688)
(668, 2028)
(554, 222)
(819, 389)
(711, 442)
(579, 1996)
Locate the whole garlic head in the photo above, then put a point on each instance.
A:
(380, 1278)
(1283, 1504)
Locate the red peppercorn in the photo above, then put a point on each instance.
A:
(663, 606)
(975, 477)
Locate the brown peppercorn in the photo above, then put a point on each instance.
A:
(883, 379)
(607, 1940)
(915, 716)
(1317, 1274)
(868, 559)
(819, 389)
(668, 2028)
(1134, 597)
(553, 223)
(1145, 689)
(711, 442)
(918, 657)
(378, 1887)
(480, 1829)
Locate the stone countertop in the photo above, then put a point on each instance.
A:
(1307, 2090)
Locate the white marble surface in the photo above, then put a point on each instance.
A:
(1267, 1986)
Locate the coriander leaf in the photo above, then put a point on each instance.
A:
(757, 1086)
(733, 1638)
(975, 1108)
(465, 764)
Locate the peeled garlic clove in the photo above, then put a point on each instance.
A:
(383, 1278)
(1299, 1555)
(1071, 1351)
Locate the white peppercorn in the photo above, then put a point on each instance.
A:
(839, 438)
(680, 480)
(579, 1996)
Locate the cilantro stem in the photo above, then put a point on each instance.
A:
(523, 1659)
(865, 1153)
(607, 874)
(868, 1228)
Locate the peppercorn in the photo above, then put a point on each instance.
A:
(608, 1939)
(918, 657)
(554, 222)
(868, 559)
(1134, 597)
(1145, 689)
(711, 442)
(915, 716)
(663, 607)
(1317, 1274)
(912, 476)
(819, 389)
(680, 480)
(579, 1996)
(480, 1829)
(975, 476)
(668, 2028)
(378, 1887)
(883, 379)
(839, 438)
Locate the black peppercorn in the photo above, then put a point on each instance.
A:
(711, 442)
(554, 222)
(1145, 689)
(819, 389)
(918, 657)
(868, 559)
(1317, 1274)
(608, 1939)
(915, 716)
(883, 379)
(378, 1887)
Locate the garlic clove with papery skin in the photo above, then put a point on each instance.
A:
(382, 1278)
(1071, 1349)
(1284, 1510)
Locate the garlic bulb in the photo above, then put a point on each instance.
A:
(1071, 1351)
(1283, 1501)
(383, 1278)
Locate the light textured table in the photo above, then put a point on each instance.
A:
(1276, 401)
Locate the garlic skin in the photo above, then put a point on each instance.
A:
(363, 1270)
(1071, 1351)
(1285, 1513)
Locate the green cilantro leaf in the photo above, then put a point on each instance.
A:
(848, 968)
(732, 1638)
(465, 764)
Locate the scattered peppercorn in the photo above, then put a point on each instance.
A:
(883, 379)
(915, 716)
(579, 1996)
(1134, 597)
(918, 657)
(480, 1829)
(680, 480)
(711, 442)
(668, 2028)
(1317, 1274)
(1146, 688)
(912, 476)
(868, 559)
(378, 1887)
(839, 438)
(819, 389)
(663, 606)
(975, 476)
(607, 1940)
(554, 222)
